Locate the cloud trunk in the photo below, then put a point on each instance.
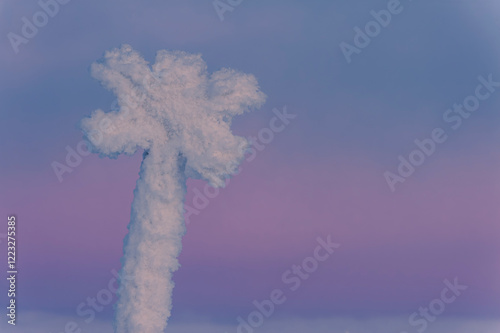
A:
(153, 244)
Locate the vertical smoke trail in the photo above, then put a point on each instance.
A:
(180, 116)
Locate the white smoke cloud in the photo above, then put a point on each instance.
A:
(36, 322)
(181, 117)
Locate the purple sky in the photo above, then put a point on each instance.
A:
(322, 175)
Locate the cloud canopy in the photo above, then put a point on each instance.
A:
(175, 101)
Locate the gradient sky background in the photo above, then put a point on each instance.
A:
(322, 175)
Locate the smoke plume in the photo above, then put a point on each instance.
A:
(180, 116)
